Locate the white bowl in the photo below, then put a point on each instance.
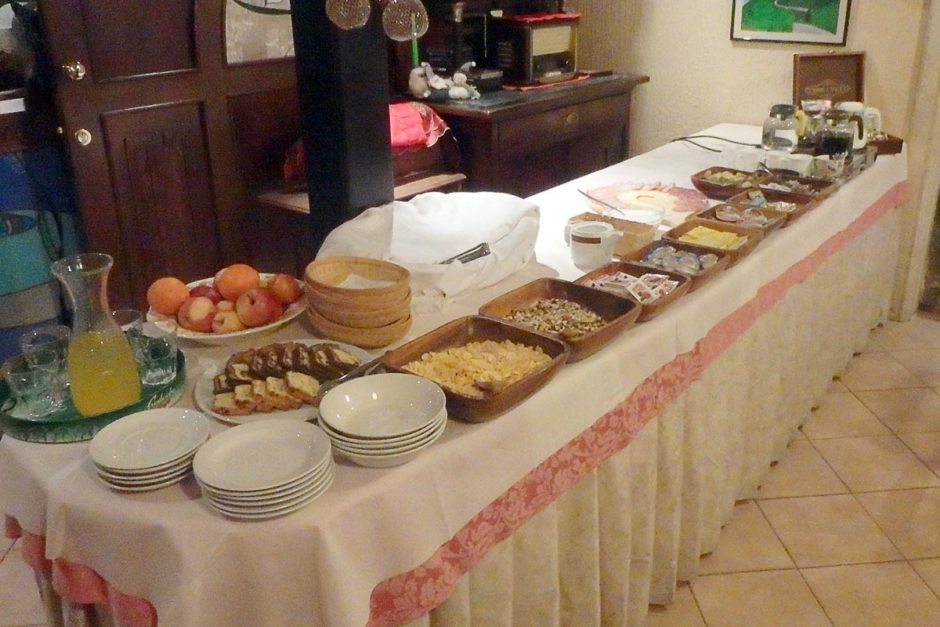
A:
(382, 405)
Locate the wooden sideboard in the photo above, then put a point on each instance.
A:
(525, 142)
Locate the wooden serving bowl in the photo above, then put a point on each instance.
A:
(775, 219)
(649, 310)
(822, 188)
(619, 313)
(697, 280)
(754, 236)
(716, 191)
(803, 203)
(324, 276)
(475, 329)
(375, 337)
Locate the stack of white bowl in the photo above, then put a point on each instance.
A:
(150, 449)
(264, 469)
(385, 419)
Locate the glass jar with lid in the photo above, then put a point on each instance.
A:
(836, 135)
(780, 129)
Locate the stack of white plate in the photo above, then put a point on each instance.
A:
(264, 469)
(150, 449)
(384, 420)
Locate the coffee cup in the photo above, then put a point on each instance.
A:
(592, 243)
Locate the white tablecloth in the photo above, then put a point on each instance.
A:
(323, 562)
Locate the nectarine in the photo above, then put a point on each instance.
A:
(285, 288)
(257, 307)
(166, 295)
(196, 314)
(236, 279)
(208, 291)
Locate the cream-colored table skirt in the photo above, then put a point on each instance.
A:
(616, 540)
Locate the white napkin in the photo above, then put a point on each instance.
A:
(435, 226)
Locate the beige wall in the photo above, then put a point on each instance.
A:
(699, 77)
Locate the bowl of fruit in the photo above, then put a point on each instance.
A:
(238, 301)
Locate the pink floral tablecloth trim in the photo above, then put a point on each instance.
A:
(409, 595)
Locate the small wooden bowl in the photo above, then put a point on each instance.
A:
(474, 329)
(368, 316)
(619, 314)
(650, 310)
(754, 236)
(723, 192)
(376, 337)
(325, 276)
(822, 188)
(803, 203)
(697, 280)
(775, 219)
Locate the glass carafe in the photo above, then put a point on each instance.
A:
(779, 131)
(835, 137)
(102, 370)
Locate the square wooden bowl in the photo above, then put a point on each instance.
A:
(775, 219)
(716, 191)
(619, 314)
(649, 310)
(754, 236)
(697, 280)
(822, 188)
(476, 329)
(635, 234)
(803, 203)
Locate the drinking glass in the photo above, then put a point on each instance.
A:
(38, 390)
(48, 347)
(128, 319)
(155, 349)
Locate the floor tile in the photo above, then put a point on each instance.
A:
(682, 612)
(836, 385)
(926, 446)
(19, 597)
(874, 594)
(842, 415)
(827, 530)
(876, 463)
(929, 570)
(747, 543)
(911, 518)
(801, 472)
(769, 598)
(912, 410)
(878, 371)
(923, 363)
(918, 333)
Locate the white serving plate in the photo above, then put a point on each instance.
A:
(267, 505)
(151, 477)
(261, 455)
(373, 445)
(203, 396)
(149, 439)
(315, 473)
(264, 515)
(148, 487)
(392, 451)
(293, 310)
(382, 406)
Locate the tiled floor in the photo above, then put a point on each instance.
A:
(846, 528)
(845, 531)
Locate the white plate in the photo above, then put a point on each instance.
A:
(261, 455)
(148, 487)
(341, 439)
(392, 450)
(314, 475)
(293, 310)
(150, 477)
(149, 439)
(274, 513)
(203, 396)
(275, 502)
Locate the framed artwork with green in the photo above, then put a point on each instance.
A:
(793, 21)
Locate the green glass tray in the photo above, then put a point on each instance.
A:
(67, 425)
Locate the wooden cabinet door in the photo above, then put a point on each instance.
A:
(146, 118)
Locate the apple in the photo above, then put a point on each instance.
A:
(208, 291)
(196, 314)
(285, 288)
(226, 321)
(225, 305)
(257, 307)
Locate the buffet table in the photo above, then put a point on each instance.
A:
(583, 504)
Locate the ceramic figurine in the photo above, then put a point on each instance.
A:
(418, 83)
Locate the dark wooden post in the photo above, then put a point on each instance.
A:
(342, 81)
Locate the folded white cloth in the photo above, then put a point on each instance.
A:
(430, 228)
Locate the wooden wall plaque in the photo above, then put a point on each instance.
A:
(836, 76)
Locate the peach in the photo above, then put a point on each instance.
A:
(226, 322)
(208, 291)
(285, 288)
(257, 307)
(236, 279)
(197, 314)
(225, 305)
(166, 295)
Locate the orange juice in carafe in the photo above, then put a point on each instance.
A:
(102, 372)
(101, 366)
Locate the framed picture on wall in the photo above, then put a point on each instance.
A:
(791, 21)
